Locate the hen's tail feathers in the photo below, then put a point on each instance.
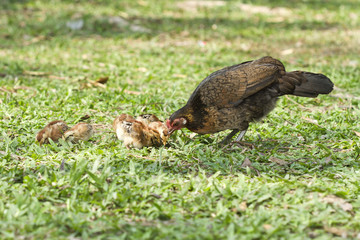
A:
(305, 84)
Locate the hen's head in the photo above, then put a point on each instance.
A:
(175, 124)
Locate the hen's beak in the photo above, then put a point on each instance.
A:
(171, 130)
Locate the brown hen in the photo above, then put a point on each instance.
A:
(235, 96)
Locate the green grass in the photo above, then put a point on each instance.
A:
(305, 174)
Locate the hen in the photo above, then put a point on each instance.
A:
(235, 96)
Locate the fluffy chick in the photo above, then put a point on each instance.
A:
(147, 118)
(118, 122)
(81, 131)
(54, 130)
(162, 129)
(138, 135)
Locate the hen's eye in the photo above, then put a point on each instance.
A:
(175, 124)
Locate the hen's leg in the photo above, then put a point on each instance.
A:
(241, 135)
(228, 138)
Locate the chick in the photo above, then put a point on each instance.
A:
(54, 130)
(138, 135)
(117, 125)
(162, 129)
(147, 118)
(81, 131)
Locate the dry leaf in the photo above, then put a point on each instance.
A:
(243, 206)
(287, 51)
(102, 80)
(246, 163)
(332, 199)
(192, 135)
(179, 75)
(338, 201)
(313, 121)
(132, 92)
(278, 161)
(23, 88)
(267, 226)
(56, 77)
(2, 89)
(336, 231)
(357, 133)
(96, 84)
(32, 73)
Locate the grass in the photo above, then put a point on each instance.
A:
(303, 181)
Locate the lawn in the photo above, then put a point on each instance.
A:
(300, 180)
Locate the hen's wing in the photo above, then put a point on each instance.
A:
(229, 86)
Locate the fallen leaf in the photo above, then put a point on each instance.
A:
(179, 75)
(313, 121)
(142, 69)
(243, 206)
(33, 73)
(267, 226)
(287, 51)
(132, 92)
(278, 161)
(91, 83)
(336, 231)
(332, 199)
(2, 89)
(23, 88)
(192, 135)
(102, 80)
(246, 163)
(357, 133)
